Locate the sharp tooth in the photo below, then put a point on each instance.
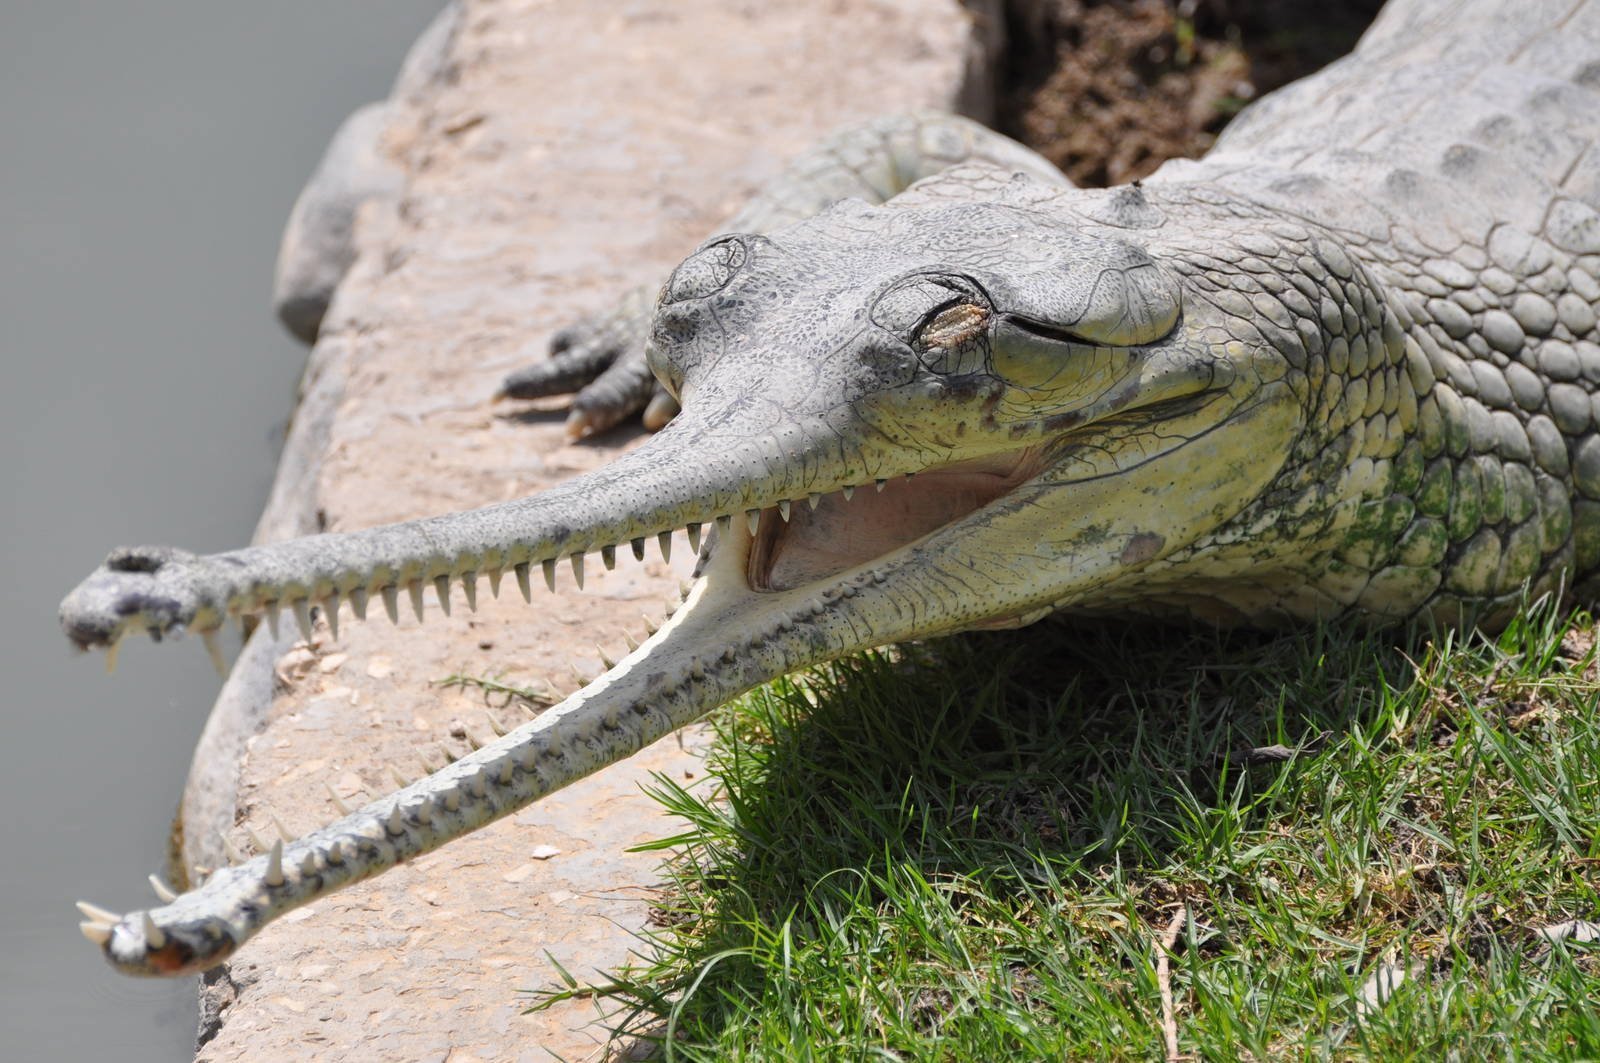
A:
(506, 769)
(441, 590)
(396, 823)
(724, 522)
(608, 557)
(494, 581)
(335, 854)
(522, 582)
(274, 875)
(605, 658)
(694, 537)
(399, 777)
(277, 825)
(783, 510)
(358, 602)
(449, 757)
(473, 740)
(428, 761)
(414, 592)
(308, 865)
(649, 625)
(270, 609)
(494, 725)
(214, 651)
(98, 914)
(200, 874)
(812, 500)
(477, 783)
(664, 541)
(582, 679)
(847, 491)
(469, 590)
(452, 800)
(338, 802)
(302, 618)
(164, 891)
(550, 575)
(330, 612)
(391, 602)
(638, 548)
(577, 569)
(684, 588)
(96, 932)
(154, 936)
(631, 642)
(697, 669)
(425, 811)
(257, 840)
(879, 485)
(752, 517)
(230, 850)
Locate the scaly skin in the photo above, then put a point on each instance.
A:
(1289, 382)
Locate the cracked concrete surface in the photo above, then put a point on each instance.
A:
(557, 154)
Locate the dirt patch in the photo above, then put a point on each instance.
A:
(1108, 90)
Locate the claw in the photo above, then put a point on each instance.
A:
(165, 892)
(98, 933)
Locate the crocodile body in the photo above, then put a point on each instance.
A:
(1346, 366)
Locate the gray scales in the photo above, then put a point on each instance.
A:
(1347, 366)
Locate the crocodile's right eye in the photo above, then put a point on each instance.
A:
(706, 272)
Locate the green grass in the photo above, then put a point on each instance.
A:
(971, 850)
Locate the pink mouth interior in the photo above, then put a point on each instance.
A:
(838, 535)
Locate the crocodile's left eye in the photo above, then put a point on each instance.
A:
(707, 271)
(945, 319)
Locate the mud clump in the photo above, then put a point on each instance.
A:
(1108, 90)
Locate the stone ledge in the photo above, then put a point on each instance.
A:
(560, 154)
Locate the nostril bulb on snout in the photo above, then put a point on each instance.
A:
(146, 559)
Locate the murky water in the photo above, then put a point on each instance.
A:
(149, 153)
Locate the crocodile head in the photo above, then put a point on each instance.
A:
(904, 421)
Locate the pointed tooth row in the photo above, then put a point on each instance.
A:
(359, 597)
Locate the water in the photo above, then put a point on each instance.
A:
(149, 153)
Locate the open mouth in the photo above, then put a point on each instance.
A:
(840, 532)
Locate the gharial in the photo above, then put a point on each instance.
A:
(1346, 365)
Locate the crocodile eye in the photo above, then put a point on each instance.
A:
(954, 326)
(706, 272)
(944, 318)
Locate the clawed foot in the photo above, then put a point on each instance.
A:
(602, 359)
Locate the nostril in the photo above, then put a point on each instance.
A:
(133, 559)
(145, 559)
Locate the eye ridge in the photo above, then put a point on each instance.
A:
(707, 271)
